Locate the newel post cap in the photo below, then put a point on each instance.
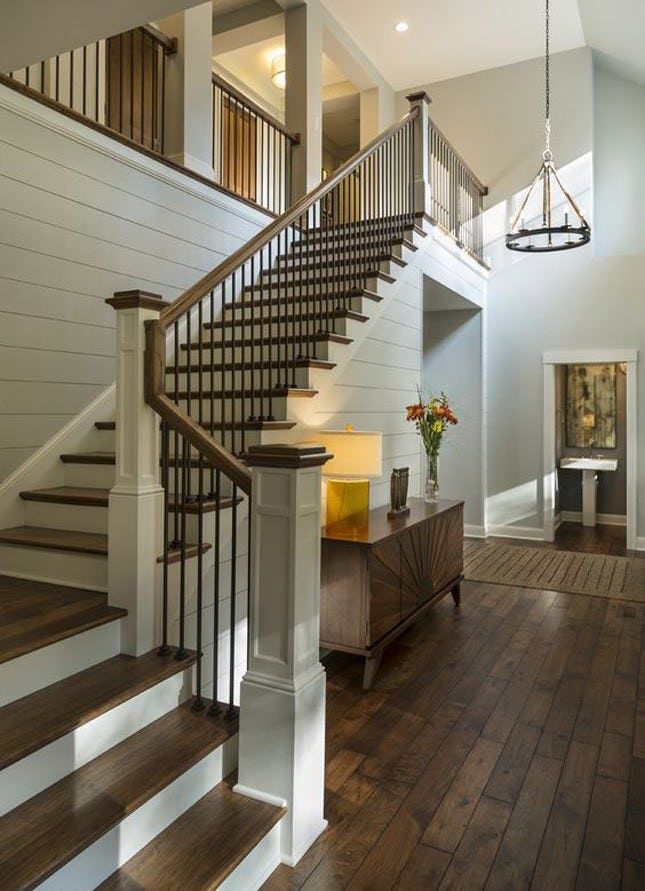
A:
(294, 455)
(137, 299)
(421, 96)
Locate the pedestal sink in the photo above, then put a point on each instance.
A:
(590, 468)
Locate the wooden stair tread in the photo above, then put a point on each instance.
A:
(88, 497)
(276, 393)
(47, 831)
(74, 701)
(321, 279)
(105, 425)
(206, 367)
(79, 542)
(282, 319)
(304, 298)
(36, 614)
(100, 498)
(56, 539)
(202, 847)
(88, 458)
(319, 337)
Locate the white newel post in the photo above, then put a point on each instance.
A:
(421, 161)
(282, 697)
(135, 522)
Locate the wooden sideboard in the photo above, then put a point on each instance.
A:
(379, 578)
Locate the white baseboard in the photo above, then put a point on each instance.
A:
(575, 516)
(528, 533)
(639, 544)
(472, 531)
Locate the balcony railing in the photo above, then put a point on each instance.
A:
(251, 149)
(119, 83)
(456, 194)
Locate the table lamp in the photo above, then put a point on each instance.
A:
(357, 456)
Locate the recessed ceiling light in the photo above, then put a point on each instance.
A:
(401, 27)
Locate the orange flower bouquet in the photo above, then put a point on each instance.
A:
(431, 420)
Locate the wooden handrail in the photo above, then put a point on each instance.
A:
(177, 419)
(224, 85)
(214, 278)
(168, 43)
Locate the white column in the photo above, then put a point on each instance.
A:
(376, 113)
(282, 697)
(135, 521)
(189, 113)
(303, 98)
(421, 153)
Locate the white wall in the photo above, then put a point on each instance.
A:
(82, 216)
(588, 298)
(453, 362)
(619, 163)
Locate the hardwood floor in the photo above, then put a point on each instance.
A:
(503, 746)
(594, 540)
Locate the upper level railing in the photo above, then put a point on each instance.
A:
(456, 194)
(119, 83)
(252, 150)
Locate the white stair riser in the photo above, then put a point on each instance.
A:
(239, 410)
(57, 567)
(300, 331)
(323, 350)
(318, 287)
(106, 440)
(46, 766)
(24, 675)
(257, 866)
(287, 271)
(291, 306)
(335, 249)
(100, 476)
(258, 378)
(80, 517)
(123, 841)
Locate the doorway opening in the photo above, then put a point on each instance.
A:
(590, 450)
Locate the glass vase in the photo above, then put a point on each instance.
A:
(432, 477)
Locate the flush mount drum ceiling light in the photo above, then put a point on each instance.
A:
(548, 235)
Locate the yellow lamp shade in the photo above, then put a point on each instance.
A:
(357, 454)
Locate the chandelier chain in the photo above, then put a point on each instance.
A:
(547, 84)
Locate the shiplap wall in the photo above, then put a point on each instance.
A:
(82, 216)
(380, 379)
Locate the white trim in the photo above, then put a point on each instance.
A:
(584, 357)
(575, 516)
(639, 543)
(259, 796)
(550, 359)
(472, 531)
(531, 533)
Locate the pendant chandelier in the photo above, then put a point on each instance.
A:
(548, 235)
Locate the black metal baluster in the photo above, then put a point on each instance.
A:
(214, 707)
(165, 482)
(185, 462)
(231, 679)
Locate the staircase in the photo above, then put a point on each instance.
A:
(115, 769)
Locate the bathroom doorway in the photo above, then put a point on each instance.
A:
(590, 450)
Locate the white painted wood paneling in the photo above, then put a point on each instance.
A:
(82, 216)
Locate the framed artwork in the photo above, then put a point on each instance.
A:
(591, 406)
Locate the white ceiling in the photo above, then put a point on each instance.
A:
(450, 38)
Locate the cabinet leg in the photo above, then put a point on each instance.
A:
(456, 593)
(371, 667)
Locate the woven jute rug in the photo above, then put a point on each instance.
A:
(597, 575)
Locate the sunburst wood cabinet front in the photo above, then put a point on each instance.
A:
(379, 578)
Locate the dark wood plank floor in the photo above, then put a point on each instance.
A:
(503, 746)
(600, 539)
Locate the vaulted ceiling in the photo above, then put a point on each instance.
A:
(450, 38)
